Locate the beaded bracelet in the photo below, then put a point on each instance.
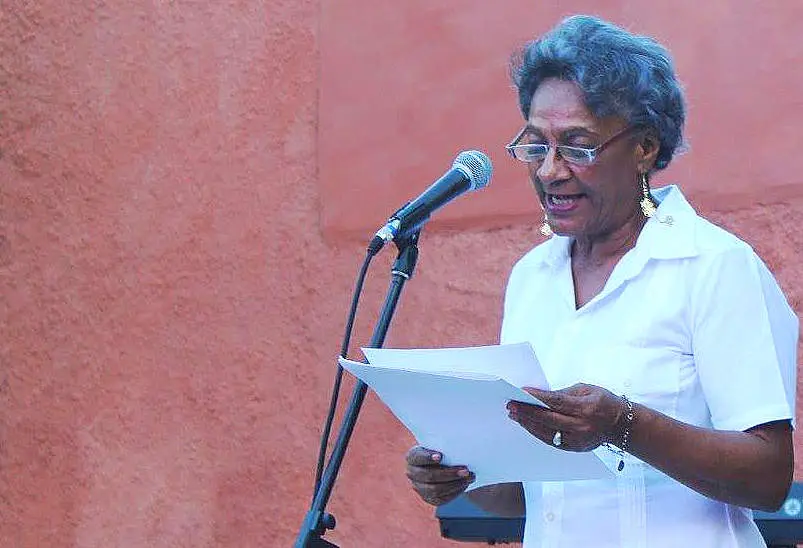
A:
(630, 414)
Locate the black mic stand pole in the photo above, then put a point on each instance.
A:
(316, 522)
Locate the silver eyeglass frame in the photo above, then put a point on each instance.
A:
(591, 154)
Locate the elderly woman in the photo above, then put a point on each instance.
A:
(669, 345)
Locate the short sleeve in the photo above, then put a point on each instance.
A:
(744, 341)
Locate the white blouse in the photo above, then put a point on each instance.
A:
(691, 323)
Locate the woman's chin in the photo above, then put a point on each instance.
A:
(562, 228)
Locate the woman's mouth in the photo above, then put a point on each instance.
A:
(562, 203)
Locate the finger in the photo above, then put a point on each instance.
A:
(535, 413)
(531, 423)
(440, 493)
(558, 401)
(576, 435)
(543, 423)
(437, 474)
(537, 392)
(550, 422)
(539, 431)
(421, 456)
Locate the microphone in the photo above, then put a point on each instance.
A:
(471, 170)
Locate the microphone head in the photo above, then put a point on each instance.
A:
(476, 166)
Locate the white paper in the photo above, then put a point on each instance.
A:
(462, 412)
(516, 363)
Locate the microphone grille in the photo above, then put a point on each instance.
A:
(476, 166)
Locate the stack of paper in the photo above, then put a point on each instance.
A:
(453, 400)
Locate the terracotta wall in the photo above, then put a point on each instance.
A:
(185, 192)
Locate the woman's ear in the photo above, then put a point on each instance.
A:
(647, 151)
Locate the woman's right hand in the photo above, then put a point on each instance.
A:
(435, 483)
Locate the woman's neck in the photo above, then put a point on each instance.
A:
(602, 248)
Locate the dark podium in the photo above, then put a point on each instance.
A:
(462, 520)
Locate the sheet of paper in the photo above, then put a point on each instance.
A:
(516, 363)
(464, 416)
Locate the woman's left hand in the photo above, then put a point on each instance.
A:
(585, 415)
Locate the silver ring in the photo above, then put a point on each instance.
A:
(557, 439)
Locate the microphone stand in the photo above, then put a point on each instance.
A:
(317, 521)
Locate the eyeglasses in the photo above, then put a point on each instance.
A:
(580, 156)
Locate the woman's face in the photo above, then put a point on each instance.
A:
(586, 202)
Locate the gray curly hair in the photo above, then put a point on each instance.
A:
(619, 73)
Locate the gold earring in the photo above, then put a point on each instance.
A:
(646, 203)
(546, 230)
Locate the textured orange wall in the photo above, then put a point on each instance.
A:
(170, 310)
(406, 85)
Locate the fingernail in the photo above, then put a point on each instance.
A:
(437, 457)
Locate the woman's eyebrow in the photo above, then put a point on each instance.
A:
(571, 131)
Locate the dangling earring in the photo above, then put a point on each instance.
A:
(646, 203)
(546, 230)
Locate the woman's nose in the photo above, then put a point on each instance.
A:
(552, 168)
